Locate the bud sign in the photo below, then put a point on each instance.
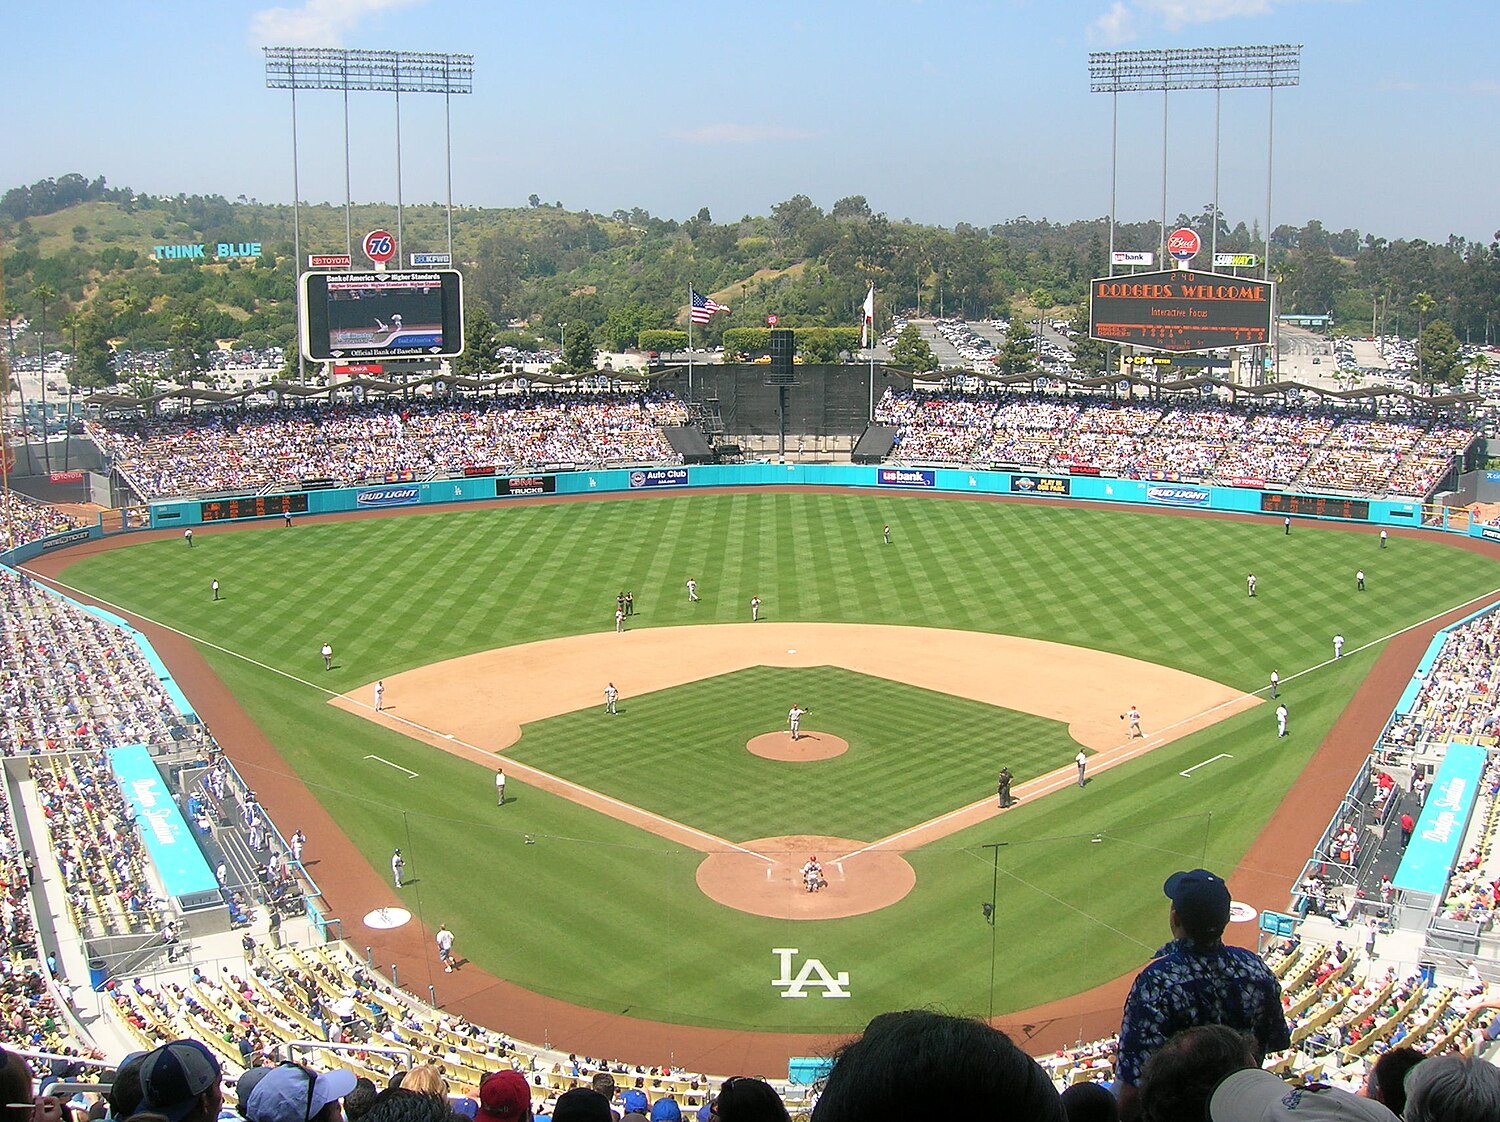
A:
(1184, 244)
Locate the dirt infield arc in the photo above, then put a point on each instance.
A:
(1262, 878)
(474, 707)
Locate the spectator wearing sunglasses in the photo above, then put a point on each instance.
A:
(293, 1093)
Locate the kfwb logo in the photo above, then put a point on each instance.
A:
(812, 975)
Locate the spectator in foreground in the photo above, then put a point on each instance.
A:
(945, 1067)
(742, 1099)
(293, 1093)
(180, 1081)
(581, 1104)
(357, 1102)
(1387, 1081)
(397, 1104)
(604, 1083)
(1181, 1075)
(1196, 980)
(1254, 1095)
(1453, 1089)
(1093, 1102)
(504, 1096)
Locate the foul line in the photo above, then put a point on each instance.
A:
(944, 824)
(1221, 756)
(409, 773)
(1053, 781)
(522, 770)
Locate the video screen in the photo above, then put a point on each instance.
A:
(353, 316)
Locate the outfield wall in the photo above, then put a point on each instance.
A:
(1181, 496)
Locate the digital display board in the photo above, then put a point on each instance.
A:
(353, 317)
(1319, 506)
(1180, 310)
(526, 485)
(252, 506)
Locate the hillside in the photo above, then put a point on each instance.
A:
(630, 271)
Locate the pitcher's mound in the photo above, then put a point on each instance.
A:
(767, 880)
(808, 746)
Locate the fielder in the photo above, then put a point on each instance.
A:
(1281, 720)
(499, 786)
(1250, 584)
(380, 696)
(754, 608)
(1338, 646)
(794, 718)
(327, 653)
(445, 948)
(692, 587)
(610, 695)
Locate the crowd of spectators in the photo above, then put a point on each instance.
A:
(1204, 441)
(246, 450)
(70, 681)
(23, 519)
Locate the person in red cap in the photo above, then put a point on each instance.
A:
(504, 1096)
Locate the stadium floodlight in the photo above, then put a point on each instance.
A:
(1265, 67)
(346, 71)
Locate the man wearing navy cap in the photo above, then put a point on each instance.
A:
(180, 1081)
(1196, 980)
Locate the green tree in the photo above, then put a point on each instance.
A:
(1422, 303)
(625, 322)
(911, 351)
(578, 350)
(1438, 354)
(93, 357)
(481, 341)
(188, 342)
(1090, 356)
(1017, 355)
(662, 341)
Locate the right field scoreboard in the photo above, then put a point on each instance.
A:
(1180, 311)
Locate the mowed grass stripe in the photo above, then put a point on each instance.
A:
(1186, 577)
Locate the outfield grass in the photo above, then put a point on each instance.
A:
(608, 916)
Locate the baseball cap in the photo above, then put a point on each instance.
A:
(1254, 1095)
(503, 1095)
(173, 1076)
(1200, 897)
(666, 1110)
(581, 1104)
(635, 1102)
(246, 1084)
(292, 1093)
(705, 1112)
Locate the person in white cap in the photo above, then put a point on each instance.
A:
(1254, 1095)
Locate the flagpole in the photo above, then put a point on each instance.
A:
(872, 362)
(690, 342)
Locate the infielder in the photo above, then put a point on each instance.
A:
(610, 695)
(1275, 685)
(1338, 646)
(380, 696)
(1281, 720)
(499, 786)
(398, 866)
(794, 718)
(692, 587)
(754, 608)
(1133, 715)
(1082, 761)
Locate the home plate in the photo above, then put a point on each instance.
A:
(383, 919)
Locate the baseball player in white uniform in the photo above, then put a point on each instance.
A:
(1281, 720)
(327, 653)
(499, 786)
(794, 718)
(1275, 684)
(610, 696)
(1133, 715)
(754, 608)
(1338, 646)
(380, 695)
(692, 587)
(1250, 583)
(445, 948)
(1082, 761)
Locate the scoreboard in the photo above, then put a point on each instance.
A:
(252, 506)
(1318, 506)
(1179, 310)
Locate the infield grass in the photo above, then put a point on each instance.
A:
(608, 916)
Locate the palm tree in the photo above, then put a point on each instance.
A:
(1422, 303)
(44, 293)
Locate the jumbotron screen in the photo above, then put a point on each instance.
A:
(1179, 310)
(350, 317)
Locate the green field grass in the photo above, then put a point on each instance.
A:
(913, 754)
(607, 916)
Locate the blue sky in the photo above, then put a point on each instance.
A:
(938, 112)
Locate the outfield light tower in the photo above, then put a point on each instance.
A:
(393, 72)
(1197, 68)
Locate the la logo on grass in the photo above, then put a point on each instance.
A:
(812, 974)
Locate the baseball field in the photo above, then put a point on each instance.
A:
(643, 867)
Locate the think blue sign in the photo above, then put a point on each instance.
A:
(222, 251)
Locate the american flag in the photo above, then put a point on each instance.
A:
(703, 307)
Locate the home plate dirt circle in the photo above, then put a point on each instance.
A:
(809, 746)
(764, 878)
